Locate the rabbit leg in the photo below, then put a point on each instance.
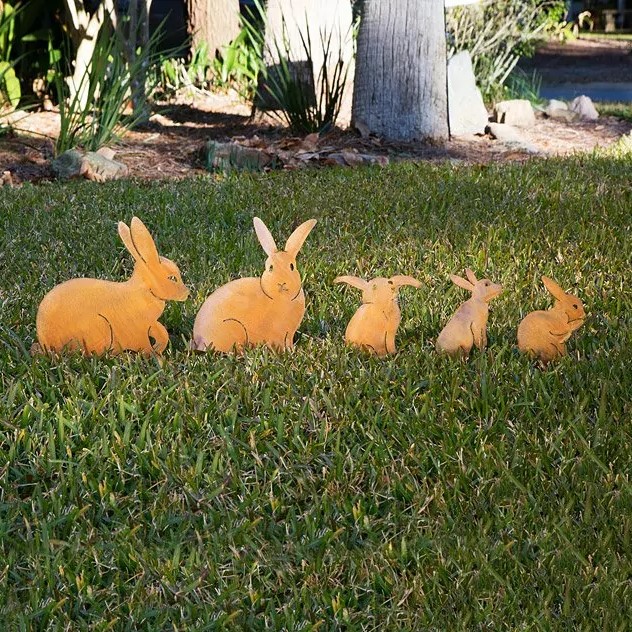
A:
(160, 335)
(389, 342)
(480, 340)
(229, 334)
(288, 341)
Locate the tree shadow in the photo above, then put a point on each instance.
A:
(191, 122)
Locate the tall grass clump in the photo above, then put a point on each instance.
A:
(307, 97)
(98, 110)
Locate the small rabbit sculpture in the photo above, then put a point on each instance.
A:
(255, 310)
(374, 325)
(96, 316)
(543, 334)
(468, 326)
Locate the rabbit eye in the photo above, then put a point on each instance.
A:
(173, 278)
(291, 266)
(575, 306)
(271, 268)
(390, 283)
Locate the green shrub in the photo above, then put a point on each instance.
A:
(10, 91)
(108, 79)
(303, 99)
(497, 33)
(241, 61)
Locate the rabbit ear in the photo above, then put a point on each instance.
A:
(461, 282)
(265, 237)
(404, 279)
(554, 288)
(143, 242)
(353, 281)
(470, 275)
(296, 239)
(126, 238)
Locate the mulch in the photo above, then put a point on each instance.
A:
(171, 144)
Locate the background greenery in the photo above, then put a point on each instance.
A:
(325, 489)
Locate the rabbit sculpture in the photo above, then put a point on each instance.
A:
(468, 326)
(374, 325)
(543, 334)
(97, 316)
(255, 310)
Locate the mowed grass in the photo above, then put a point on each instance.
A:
(323, 488)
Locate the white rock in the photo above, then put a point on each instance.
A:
(518, 112)
(511, 137)
(503, 132)
(583, 105)
(562, 115)
(553, 105)
(466, 110)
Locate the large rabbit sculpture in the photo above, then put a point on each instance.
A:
(96, 316)
(468, 326)
(543, 334)
(255, 310)
(374, 324)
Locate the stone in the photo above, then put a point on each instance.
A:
(99, 168)
(503, 132)
(92, 166)
(466, 111)
(106, 152)
(555, 104)
(511, 137)
(234, 156)
(560, 114)
(583, 106)
(68, 165)
(518, 112)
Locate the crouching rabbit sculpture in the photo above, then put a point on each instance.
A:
(543, 334)
(97, 316)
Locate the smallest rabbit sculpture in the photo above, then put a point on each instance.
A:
(374, 325)
(468, 326)
(97, 316)
(543, 334)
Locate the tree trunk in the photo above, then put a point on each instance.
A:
(215, 22)
(326, 23)
(84, 29)
(400, 88)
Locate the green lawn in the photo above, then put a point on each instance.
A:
(618, 109)
(325, 489)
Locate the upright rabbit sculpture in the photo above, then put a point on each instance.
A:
(543, 334)
(374, 325)
(96, 316)
(468, 326)
(257, 310)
